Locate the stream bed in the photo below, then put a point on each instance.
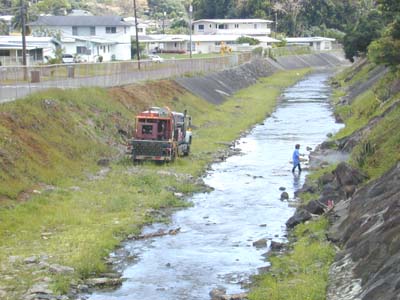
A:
(215, 245)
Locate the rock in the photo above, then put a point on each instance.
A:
(39, 289)
(178, 195)
(83, 288)
(326, 178)
(104, 282)
(277, 246)
(284, 196)
(217, 293)
(282, 188)
(300, 216)
(315, 207)
(308, 148)
(31, 260)
(58, 269)
(240, 296)
(104, 162)
(347, 175)
(260, 243)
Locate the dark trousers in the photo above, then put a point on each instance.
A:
(296, 166)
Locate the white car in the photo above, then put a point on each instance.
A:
(67, 59)
(156, 58)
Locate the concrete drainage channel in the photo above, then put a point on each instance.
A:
(223, 238)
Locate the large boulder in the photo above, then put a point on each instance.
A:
(300, 216)
(347, 175)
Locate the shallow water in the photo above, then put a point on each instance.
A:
(215, 245)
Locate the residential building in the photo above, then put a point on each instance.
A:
(39, 49)
(316, 43)
(200, 43)
(251, 27)
(89, 38)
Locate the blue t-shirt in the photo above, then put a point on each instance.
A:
(296, 157)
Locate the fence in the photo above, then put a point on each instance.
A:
(18, 81)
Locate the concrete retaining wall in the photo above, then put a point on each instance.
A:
(217, 86)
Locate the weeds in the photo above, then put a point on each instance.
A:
(83, 216)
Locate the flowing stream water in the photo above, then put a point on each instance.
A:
(215, 245)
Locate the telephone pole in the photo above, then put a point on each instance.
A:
(137, 34)
(190, 27)
(23, 33)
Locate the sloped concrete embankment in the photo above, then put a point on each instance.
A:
(217, 86)
(367, 227)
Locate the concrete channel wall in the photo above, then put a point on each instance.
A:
(216, 87)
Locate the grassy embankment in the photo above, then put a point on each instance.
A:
(302, 273)
(57, 207)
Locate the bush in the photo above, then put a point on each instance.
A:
(247, 40)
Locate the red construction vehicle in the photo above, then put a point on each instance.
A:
(161, 135)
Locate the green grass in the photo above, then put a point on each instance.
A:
(301, 273)
(378, 149)
(80, 220)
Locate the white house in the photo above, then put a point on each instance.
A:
(38, 48)
(89, 37)
(200, 43)
(316, 43)
(251, 27)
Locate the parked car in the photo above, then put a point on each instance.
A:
(67, 58)
(156, 58)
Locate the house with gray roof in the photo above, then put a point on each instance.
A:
(89, 38)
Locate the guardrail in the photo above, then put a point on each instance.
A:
(19, 81)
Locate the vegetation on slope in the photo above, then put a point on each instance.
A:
(378, 149)
(81, 213)
(302, 272)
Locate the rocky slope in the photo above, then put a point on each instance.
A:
(367, 227)
(362, 198)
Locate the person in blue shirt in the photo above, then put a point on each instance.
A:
(296, 158)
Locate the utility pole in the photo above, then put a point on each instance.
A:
(23, 33)
(276, 23)
(190, 27)
(137, 34)
(163, 22)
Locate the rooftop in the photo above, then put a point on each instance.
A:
(233, 21)
(79, 21)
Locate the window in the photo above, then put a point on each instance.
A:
(92, 30)
(255, 26)
(236, 25)
(147, 129)
(201, 27)
(4, 52)
(82, 50)
(111, 29)
(74, 30)
(222, 26)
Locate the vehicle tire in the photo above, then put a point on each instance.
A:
(186, 153)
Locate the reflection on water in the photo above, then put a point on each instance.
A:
(296, 181)
(215, 246)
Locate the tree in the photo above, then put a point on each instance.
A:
(357, 40)
(4, 29)
(54, 7)
(291, 9)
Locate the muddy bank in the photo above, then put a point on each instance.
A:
(216, 87)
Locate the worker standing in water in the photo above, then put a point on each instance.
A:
(296, 158)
